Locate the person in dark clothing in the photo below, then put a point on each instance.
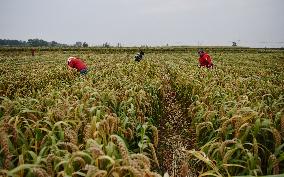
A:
(139, 56)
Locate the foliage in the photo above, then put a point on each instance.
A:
(55, 122)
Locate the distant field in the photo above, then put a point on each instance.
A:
(163, 114)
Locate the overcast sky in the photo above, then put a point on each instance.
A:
(140, 22)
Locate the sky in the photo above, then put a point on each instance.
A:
(252, 23)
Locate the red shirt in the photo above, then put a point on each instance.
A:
(78, 64)
(205, 60)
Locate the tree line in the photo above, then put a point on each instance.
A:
(37, 43)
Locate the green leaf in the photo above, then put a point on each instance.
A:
(78, 173)
(20, 168)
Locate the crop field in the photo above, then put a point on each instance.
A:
(163, 116)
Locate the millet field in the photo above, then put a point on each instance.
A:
(162, 116)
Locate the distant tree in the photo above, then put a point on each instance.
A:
(106, 45)
(30, 42)
(8, 42)
(53, 44)
(119, 45)
(78, 44)
(85, 44)
(37, 42)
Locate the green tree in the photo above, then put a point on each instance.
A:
(37, 42)
(85, 44)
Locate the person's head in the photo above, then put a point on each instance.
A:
(200, 52)
(69, 59)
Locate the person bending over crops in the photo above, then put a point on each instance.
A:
(78, 64)
(139, 56)
(205, 59)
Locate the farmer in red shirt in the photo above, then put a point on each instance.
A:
(204, 59)
(33, 52)
(77, 63)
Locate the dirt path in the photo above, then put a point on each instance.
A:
(175, 135)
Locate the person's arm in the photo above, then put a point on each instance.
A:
(201, 61)
(209, 59)
(70, 65)
(205, 57)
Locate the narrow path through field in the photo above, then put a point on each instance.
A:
(174, 134)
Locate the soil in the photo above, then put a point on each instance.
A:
(175, 135)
